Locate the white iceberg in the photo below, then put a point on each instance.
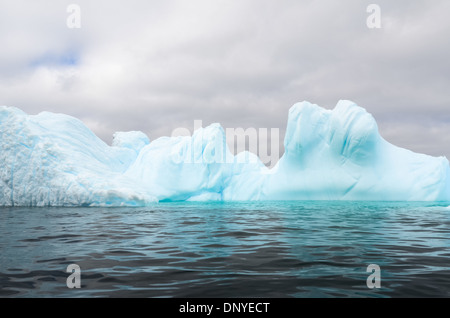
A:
(55, 160)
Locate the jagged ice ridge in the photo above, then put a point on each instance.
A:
(55, 160)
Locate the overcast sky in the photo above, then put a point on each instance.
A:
(158, 65)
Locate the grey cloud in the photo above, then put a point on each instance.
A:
(158, 65)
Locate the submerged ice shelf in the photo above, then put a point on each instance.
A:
(54, 159)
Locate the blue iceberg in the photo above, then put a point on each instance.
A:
(55, 160)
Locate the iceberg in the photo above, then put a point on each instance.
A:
(55, 160)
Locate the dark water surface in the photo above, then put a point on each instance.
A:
(263, 249)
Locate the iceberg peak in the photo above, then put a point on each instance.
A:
(338, 154)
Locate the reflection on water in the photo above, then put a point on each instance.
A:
(260, 249)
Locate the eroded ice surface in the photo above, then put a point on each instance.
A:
(54, 159)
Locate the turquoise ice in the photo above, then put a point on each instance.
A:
(55, 160)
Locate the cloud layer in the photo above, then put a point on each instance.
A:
(158, 65)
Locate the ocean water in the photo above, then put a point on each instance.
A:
(252, 249)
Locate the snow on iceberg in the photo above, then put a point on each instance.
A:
(54, 159)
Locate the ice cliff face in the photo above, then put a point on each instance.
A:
(54, 159)
(339, 154)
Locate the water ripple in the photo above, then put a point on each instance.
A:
(261, 249)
